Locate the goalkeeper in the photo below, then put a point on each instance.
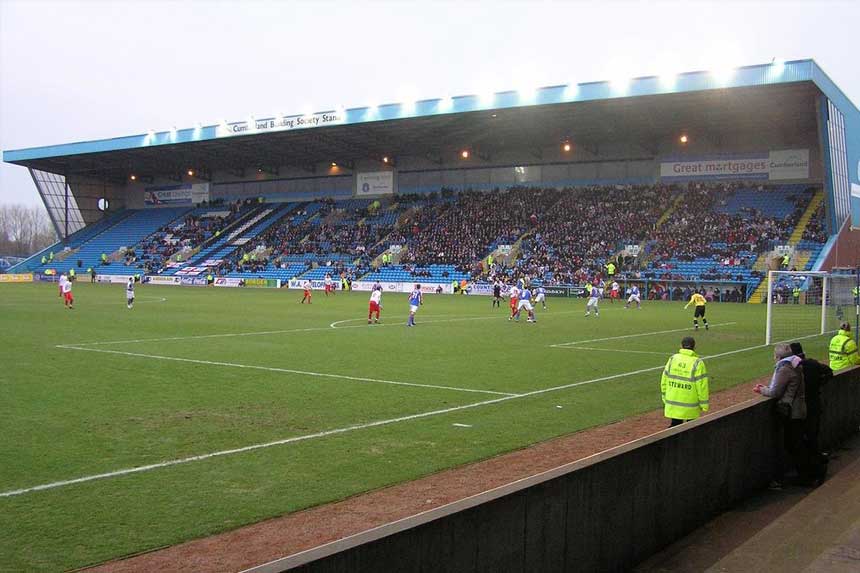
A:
(700, 302)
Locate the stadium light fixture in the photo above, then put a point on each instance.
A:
(191, 173)
(407, 100)
(526, 93)
(683, 139)
(571, 90)
(385, 159)
(151, 134)
(334, 164)
(252, 123)
(487, 97)
(173, 131)
(619, 84)
(464, 154)
(567, 147)
(133, 177)
(777, 66)
(446, 103)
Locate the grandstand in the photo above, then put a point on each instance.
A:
(551, 189)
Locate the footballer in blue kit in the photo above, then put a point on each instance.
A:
(596, 293)
(415, 300)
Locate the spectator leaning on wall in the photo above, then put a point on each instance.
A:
(786, 385)
(815, 375)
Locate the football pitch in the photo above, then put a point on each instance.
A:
(201, 410)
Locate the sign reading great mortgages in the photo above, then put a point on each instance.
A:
(784, 164)
(253, 126)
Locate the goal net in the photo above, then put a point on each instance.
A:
(805, 304)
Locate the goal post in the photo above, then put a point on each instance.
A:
(803, 304)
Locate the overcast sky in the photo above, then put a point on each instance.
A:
(76, 71)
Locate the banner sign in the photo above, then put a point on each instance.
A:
(374, 183)
(254, 126)
(267, 283)
(192, 281)
(174, 195)
(229, 282)
(113, 279)
(17, 278)
(162, 280)
(776, 165)
(397, 287)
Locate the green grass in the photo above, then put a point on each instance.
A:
(67, 413)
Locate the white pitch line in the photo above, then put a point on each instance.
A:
(577, 342)
(346, 429)
(617, 350)
(283, 370)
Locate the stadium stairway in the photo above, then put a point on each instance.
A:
(797, 234)
(228, 235)
(668, 213)
(802, 256)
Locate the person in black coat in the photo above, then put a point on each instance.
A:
(815, 375)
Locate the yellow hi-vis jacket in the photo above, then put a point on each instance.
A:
(843, 351)
(684, 386)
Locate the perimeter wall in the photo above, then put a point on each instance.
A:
(604, 513)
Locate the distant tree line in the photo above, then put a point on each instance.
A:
(24, 230)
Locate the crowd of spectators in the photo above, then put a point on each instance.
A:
(569, 236)
(193, 232)
(696, 230)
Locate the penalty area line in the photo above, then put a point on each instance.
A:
(336, 431)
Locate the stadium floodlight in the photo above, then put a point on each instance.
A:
(252, 123)
(445, 103)
(407, 100)
(683, 138)
(527, 92)
(308, 111)
(567, 147)
(777, 66)
(385, 159)
(571, 90)
(173, 131)
(334, 164)
(133, 177)
(619, 83)
(486, 97)
(191, 173)
(464, 154)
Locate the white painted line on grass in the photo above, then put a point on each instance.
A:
(617, 350)
(462, 425)
(346, 429)
(283, 370)
(577, 342)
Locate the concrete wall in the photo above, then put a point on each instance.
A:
(606, 513)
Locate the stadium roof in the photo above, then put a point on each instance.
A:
(588, 113)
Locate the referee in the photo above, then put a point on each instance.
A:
(700, 303)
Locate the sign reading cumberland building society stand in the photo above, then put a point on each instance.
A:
(775, 166)
(281, 123)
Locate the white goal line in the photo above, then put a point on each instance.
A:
(180, 461)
